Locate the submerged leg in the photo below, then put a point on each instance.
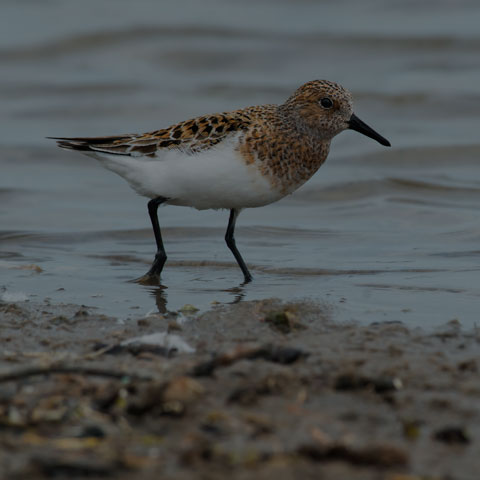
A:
(229, 238)
(160, 256)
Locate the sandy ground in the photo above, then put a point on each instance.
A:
(253, 390)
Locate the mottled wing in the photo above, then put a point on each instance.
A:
(190, 136)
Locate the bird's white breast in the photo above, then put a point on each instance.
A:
(217, 177)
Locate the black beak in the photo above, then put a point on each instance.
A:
(356, 124)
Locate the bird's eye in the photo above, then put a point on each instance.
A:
(326, 103)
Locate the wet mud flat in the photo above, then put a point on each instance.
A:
(260, 389)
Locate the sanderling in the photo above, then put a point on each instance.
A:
(233, 160)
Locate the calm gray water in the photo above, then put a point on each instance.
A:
(378, 234)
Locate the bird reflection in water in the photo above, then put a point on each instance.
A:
(160, 294)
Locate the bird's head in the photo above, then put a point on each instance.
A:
(326, 108)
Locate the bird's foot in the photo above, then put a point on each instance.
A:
(152, 277)
(247, 279)
(149, 279)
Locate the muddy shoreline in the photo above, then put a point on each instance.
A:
(262, 388)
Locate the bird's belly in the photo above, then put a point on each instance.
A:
(240, 190)
(214, 178)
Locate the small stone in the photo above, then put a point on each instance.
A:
(352, 381)
(452, 434)
(183, 389)
(32, 267)
(411, 429)
(143, 322)
(92, 431)
(278, 321)
(174, 326)
(188, 309)
(60, 320)
(283, 321)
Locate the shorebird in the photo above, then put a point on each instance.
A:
(233, 160)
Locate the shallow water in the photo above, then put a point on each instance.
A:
(377, 235)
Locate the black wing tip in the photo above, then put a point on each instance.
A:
(85, 143)
(91, 144)
(69, 143)
(93, 140)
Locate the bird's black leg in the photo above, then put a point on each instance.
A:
(229, 238)
(160, 256)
